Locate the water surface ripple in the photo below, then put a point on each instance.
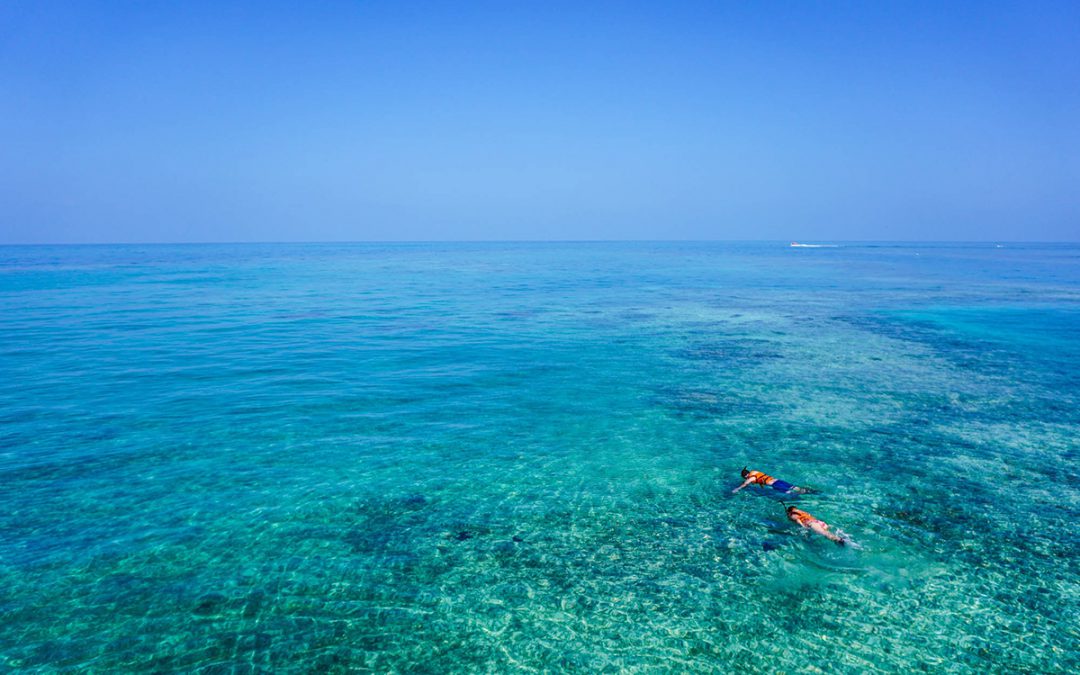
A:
(486, 457)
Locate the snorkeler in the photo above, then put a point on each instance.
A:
(758, 478)
(811, 523)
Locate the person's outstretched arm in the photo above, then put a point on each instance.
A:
(745, 483)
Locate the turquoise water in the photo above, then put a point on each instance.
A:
(486, 457)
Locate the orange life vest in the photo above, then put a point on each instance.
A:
(801, 517)
(760, 478)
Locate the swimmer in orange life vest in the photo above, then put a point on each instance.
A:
(811, 523)
(758, 478)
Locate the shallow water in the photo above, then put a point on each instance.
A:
(479, 457)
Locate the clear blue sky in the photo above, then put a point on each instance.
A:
(268, 121)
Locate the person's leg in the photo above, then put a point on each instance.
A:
(823, 529)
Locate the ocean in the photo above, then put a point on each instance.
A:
(493, 457)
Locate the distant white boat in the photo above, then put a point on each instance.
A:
(796, 244)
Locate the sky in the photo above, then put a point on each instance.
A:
(353, 121)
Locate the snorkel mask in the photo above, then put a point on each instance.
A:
(744, 472)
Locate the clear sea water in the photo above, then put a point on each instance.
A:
(496, 457)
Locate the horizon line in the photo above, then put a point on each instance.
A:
(539, 241)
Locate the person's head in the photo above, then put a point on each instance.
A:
(745, 472)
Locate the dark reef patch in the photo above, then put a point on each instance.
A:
(707, 403)
(730, 351)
